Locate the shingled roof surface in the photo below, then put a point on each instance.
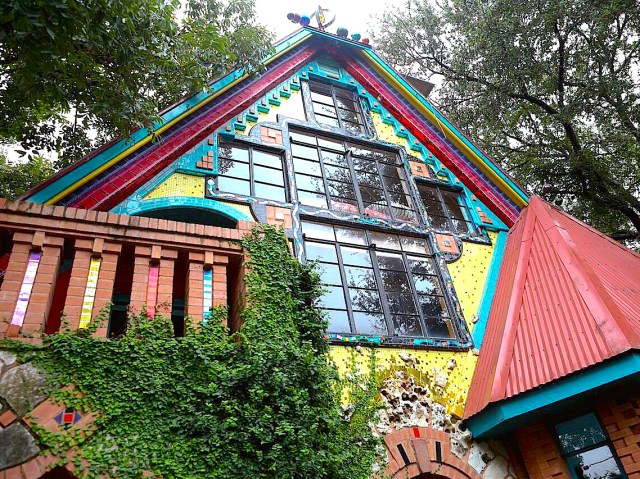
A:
(568, 297)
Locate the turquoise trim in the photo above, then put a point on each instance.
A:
(446, 122)
(514, 412)
(489, 289)
(140, 207)
(96, 162)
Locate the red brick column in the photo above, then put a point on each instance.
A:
(43, 286)
(540, 452)
(13, 278)
(109, 253)
(194, 294)
(219, 266)
(142, 262)
(165, 281)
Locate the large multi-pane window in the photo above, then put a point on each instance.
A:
(378, 283)
(587, 449)
(345, 176)
(446, 209)
(335, 106)
(247, 171)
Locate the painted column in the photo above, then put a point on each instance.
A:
(43, 286)
(81, 275)
(13, 278)
(109, 253)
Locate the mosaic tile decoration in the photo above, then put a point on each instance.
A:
(152, 290)
(68, 417)
(207, 294)
(25, 289)
(90, 292)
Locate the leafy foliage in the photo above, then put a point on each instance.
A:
(18, 178)
(549, 88)
(262, 403)
(77, 73)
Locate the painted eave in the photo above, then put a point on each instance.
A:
(85, 169)
(505, 416)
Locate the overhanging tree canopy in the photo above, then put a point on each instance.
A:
(550, 88)
(68, 68)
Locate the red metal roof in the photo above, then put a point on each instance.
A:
(567, 297)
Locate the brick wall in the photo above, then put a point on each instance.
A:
(540, 452)
(101, 237)
(620, 416)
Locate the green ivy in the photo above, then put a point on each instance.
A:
(263, 403)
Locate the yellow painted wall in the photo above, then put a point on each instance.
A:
(180, 184)
(469, 274)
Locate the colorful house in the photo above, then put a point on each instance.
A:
(508, 329)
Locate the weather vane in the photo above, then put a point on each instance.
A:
(318, 15)
(321, 19)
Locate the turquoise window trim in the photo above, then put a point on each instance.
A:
(489, 289)
(506, 415)
(140, 207)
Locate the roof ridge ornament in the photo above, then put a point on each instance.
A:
(305, 20)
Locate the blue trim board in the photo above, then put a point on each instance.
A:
(489, 289)
(584, 386)
(139, 208)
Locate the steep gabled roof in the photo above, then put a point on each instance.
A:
(107, 177)
(567, 298)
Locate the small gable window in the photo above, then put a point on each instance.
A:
(587, 449)
(446, 209)
(337, 107)
(378, 283)
(352, 178)
(247, 171)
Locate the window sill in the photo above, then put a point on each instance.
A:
(349, 339)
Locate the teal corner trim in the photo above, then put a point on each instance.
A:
(511, 413)
(447, 123)
(116, 149)
(489, 289)
(140, 207)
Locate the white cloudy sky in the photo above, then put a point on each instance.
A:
(355, 15)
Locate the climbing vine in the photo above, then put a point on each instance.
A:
(263, 403)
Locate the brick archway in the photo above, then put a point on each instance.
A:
(420, 453)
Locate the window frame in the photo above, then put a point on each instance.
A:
(605, 442)
(372, 249)
(311, 112)
(462, 203)
(251, 148)
(347, 144)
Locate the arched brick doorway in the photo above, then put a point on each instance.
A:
(423, 453)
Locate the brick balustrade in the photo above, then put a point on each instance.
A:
(92, 245)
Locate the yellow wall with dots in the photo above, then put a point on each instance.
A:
(180, 184)
(469, 274)
(452, 370)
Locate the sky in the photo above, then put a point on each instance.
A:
(355, 15)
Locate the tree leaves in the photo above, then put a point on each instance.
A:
(549, 89)
(113, 64)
